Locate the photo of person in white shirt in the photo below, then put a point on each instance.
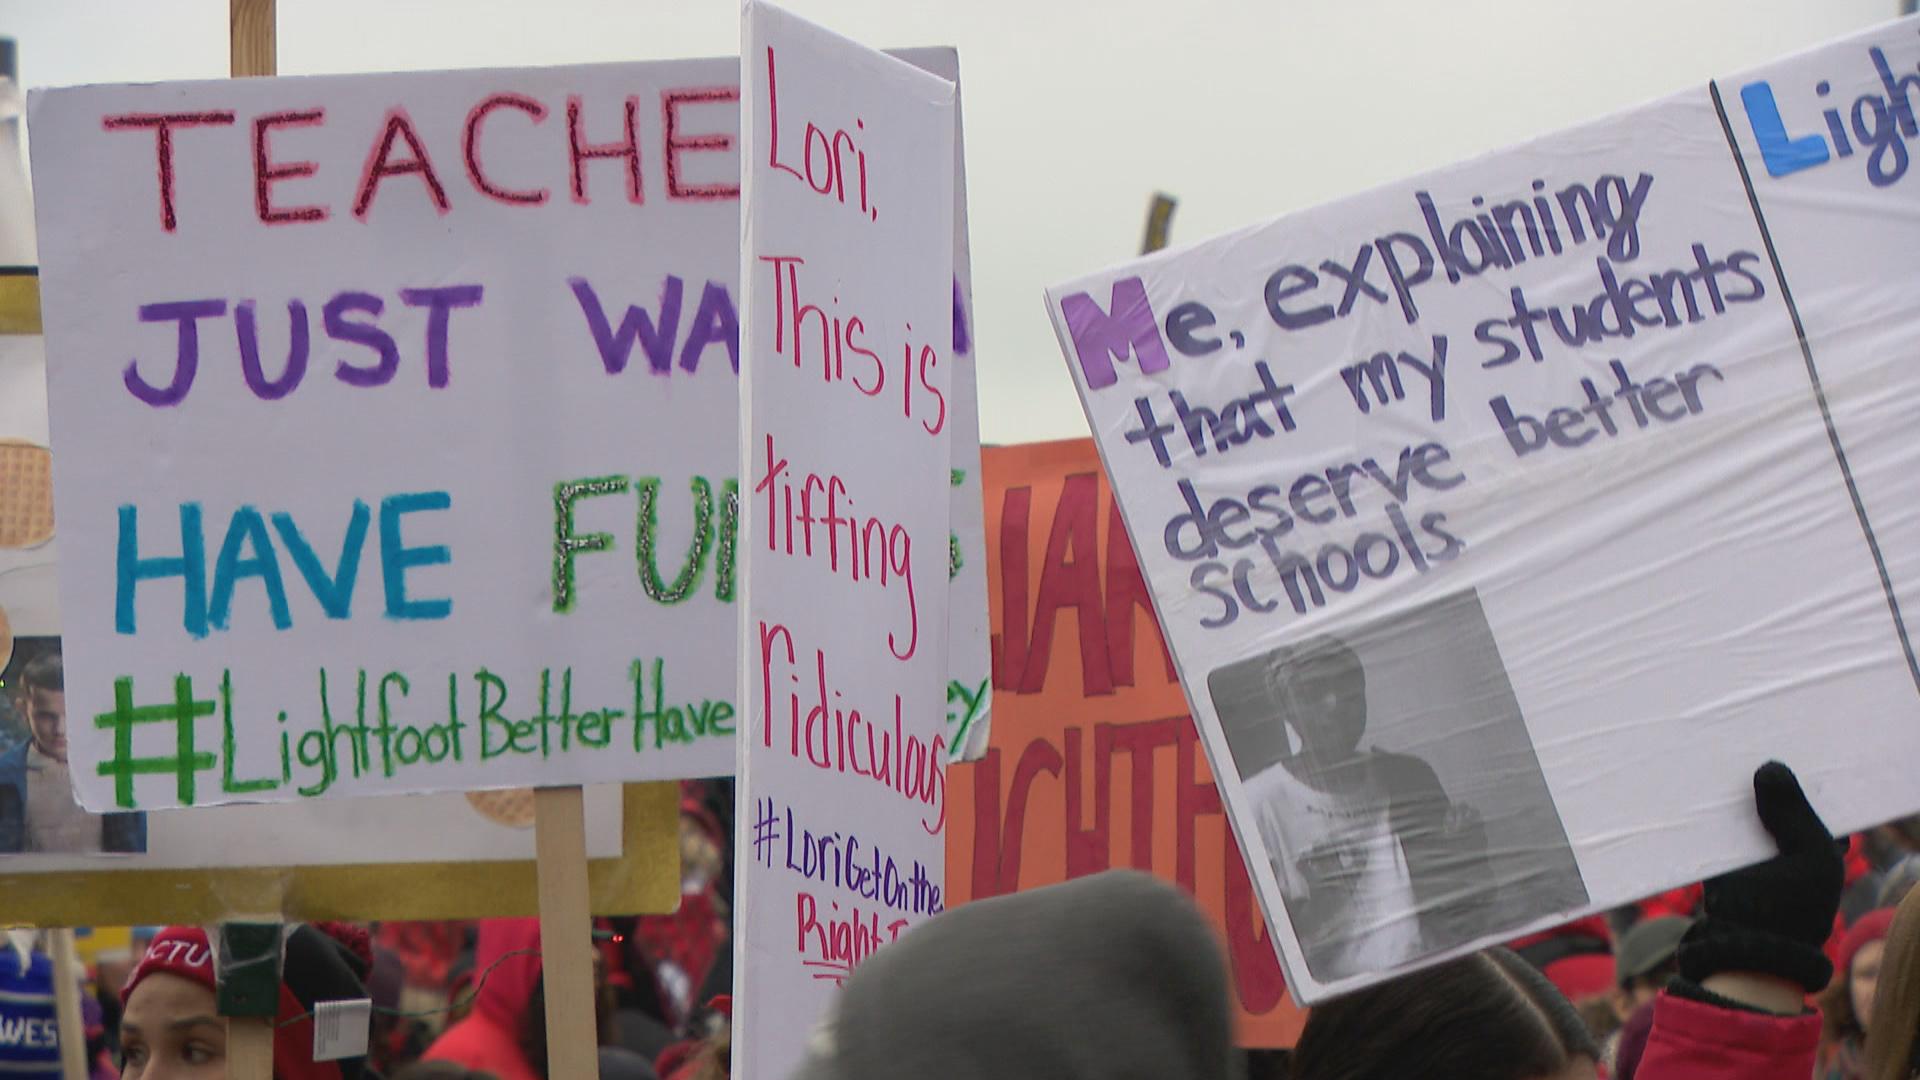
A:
(1371, 854)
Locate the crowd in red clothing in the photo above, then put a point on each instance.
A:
(1804, 966)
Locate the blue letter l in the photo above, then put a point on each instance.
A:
(1782, 154)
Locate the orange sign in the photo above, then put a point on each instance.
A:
(1093, 761)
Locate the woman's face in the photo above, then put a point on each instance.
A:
(173, 1031)
(1864, 978)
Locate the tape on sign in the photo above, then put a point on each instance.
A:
(512, 807)
(26, 494)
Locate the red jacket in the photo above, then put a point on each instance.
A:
(489, 1038)
(1692, 1040)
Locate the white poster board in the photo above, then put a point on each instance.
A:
(846, 419)
(501, 457)
(1502, 521)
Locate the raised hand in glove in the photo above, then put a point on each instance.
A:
(1772, 919)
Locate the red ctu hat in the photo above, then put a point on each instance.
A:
(324, 962)
(177, 950)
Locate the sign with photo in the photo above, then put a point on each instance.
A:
(1503, 520)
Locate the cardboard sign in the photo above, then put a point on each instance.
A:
(1094, 762)
(395, 428)
(1504, 520)
(846, 416)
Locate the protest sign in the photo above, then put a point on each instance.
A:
(1504, 520)
(1094, 762)
(358, 847)
(846, 415)
(424, 478)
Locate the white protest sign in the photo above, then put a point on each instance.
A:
(1503, 521)
(426, 378)
(969, 638)
(846, 414)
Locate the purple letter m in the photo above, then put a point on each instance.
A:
(1099, 338)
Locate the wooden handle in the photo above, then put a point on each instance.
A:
(566, 943)
(250, 51)
(249, 1049)
(250, 38)
(66, 1007)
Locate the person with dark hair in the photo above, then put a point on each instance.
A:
(1846, 1005)
(172, 1030)
(1489, 1015)
(37, 807)
(1375, 861)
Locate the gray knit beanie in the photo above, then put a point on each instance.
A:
(1110, 977)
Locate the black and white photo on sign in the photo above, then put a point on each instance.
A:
(1394, 788)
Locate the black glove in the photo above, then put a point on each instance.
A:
(1773, 918)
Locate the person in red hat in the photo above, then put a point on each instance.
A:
(1847, 1002)
(172, 1029)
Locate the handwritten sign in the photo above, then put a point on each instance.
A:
(1094, 763)
(846, 413)
(1503, 520)
(395, 428)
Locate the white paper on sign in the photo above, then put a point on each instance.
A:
(449, 406)
(1504, 520)
(846, 417)
(341, 1028)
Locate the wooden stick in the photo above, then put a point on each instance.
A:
(66, 1006)
(249, 1049)
(251, 50)
(566, 943)
(1159, 223)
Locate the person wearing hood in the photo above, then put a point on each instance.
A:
(503, 1033)
(172, 1029)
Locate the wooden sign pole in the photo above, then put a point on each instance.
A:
(251, 48)
(566, 933)
(251, 51)
(66, 1005)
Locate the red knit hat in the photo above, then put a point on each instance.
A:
(177, 950)
(1867, 929)
(324, 962)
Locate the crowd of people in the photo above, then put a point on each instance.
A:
(451, 1000)
(1804, 967)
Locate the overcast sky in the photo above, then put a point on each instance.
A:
(1076, 110)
